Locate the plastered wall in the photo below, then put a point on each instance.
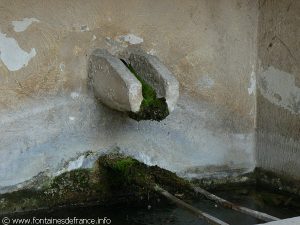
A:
(278, 94)
(48, 115)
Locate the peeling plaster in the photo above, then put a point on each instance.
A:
(280, 89)
(12, 55)
(131, 39)
(22, 25)
(174, 143)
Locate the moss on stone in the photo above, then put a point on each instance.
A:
(115, 179)
(134, 173)
(152, 108)
(123, 165)
(74, 187)
(22, 200)
(276, 182)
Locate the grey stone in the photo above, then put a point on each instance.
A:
(155, 73)
(113, 83)
(290, 221)
(116, 87)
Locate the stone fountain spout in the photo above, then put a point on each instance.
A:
(119, 84)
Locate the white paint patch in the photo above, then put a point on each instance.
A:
(131, 39)
(252, 85)
(12, 55)
(22, 25)
(206, 82)
(280, 89)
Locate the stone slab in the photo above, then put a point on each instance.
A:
(113, 83)
(289, 221)
(151, 69)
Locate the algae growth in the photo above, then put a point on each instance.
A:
(152, 108)
(114, 180)
(118, 180)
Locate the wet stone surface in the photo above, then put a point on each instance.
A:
(161, 212)
(120, 188)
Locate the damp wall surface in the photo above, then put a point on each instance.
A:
(48, 116)
(278, 93)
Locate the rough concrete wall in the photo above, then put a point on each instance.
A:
(48, 114)
(278, 96)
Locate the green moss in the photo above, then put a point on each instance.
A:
(22, 200)
(75, 180)
(123, 165)
(115, 179)
(74, 187)
(152, 108)
(140, 176)
(128, 172)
